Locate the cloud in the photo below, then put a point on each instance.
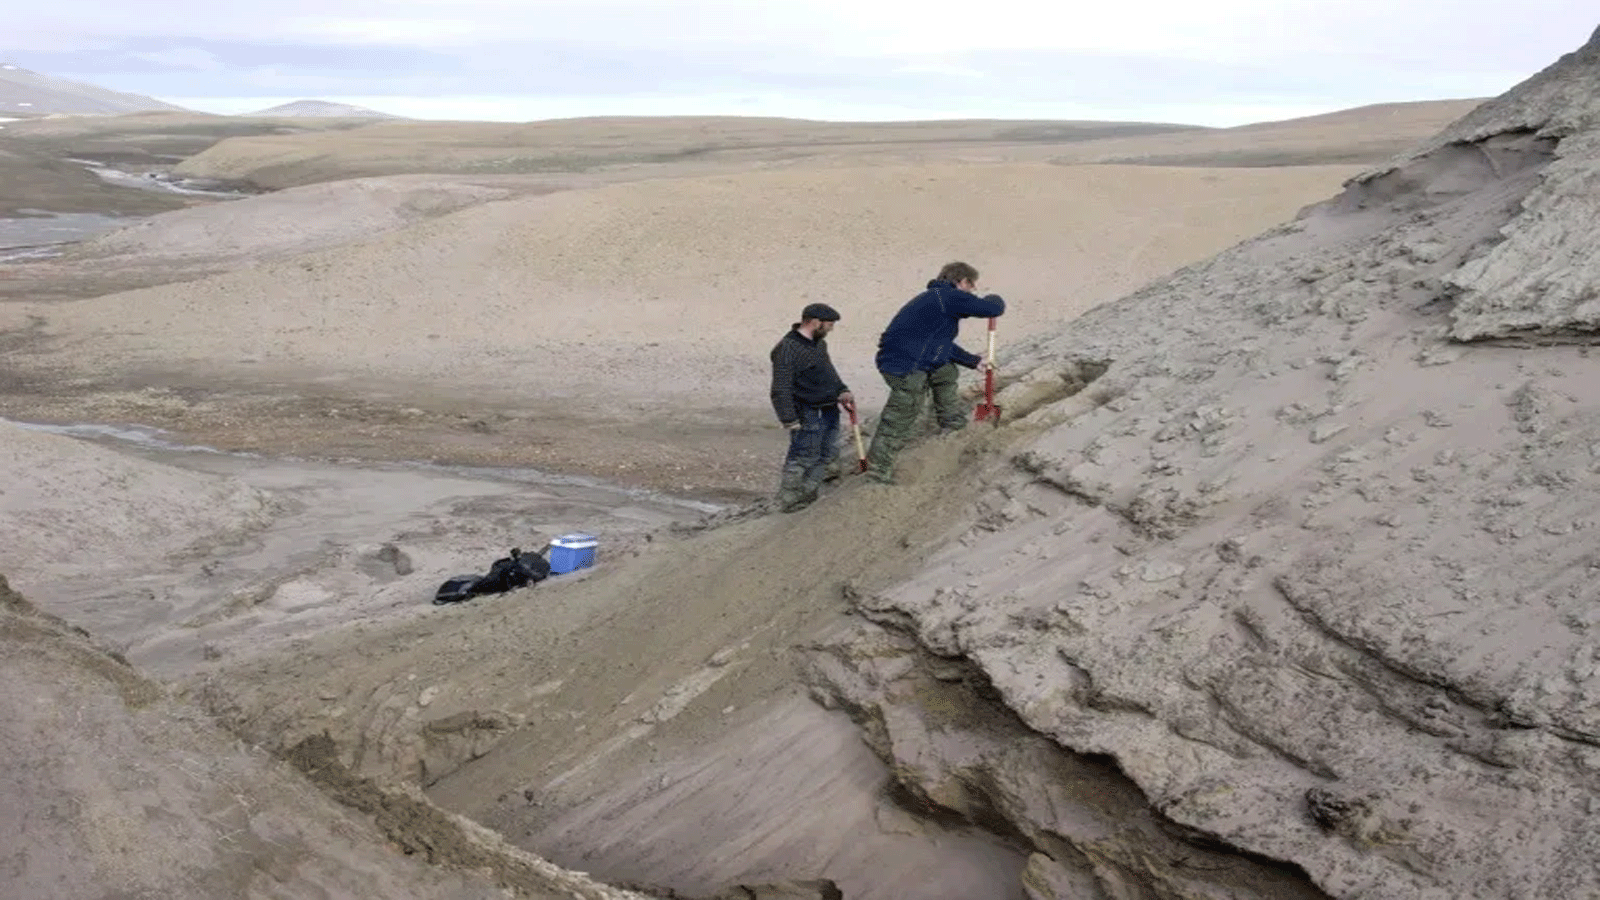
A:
(426, 32)
(182, 58)
(922, 54)
(938, 68)
(1219, 30)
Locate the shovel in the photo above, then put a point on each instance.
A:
(987, 410)
(855, 428)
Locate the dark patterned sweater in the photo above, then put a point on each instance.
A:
(802, 376)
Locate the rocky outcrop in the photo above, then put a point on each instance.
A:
(1543, 277)
(1278, 548)
(959, 756)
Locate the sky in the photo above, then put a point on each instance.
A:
(1205, 62)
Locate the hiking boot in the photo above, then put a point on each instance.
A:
(793, 501)
(875, 478)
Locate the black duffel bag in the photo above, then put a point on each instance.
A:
(506, 574)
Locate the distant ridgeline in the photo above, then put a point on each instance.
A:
(325, 109)
(25, 94)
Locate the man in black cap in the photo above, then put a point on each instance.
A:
(806, 394)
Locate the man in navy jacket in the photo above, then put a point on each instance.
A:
(918, 356)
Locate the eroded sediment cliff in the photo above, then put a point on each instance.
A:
(1298, 541)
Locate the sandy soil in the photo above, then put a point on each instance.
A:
(598, 323)
(549, 329)
(662, 145)
(1347, 136)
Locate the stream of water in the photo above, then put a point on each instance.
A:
(156, 443)
(41, 234)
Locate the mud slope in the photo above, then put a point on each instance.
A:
(114, 789)
(69, 506)
(1310, 556)
(643, 721)
(284, 223)
(539, 712)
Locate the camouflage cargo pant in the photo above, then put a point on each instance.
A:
(901, 412)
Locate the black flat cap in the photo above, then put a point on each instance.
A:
(819, 311)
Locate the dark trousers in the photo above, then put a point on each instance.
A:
(812, 447)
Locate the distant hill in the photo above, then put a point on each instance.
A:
(323, 108)
(25, 94)
(1359, 136)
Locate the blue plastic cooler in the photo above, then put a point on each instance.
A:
(572, 551)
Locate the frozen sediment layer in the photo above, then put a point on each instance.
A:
(1309, 569)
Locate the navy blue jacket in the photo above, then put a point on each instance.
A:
(922, 335)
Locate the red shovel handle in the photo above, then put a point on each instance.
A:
(986, 410)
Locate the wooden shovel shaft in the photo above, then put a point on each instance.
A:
(861, 451)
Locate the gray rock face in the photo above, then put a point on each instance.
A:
(1089, 829)
(1543, 278)
(1312, 573)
